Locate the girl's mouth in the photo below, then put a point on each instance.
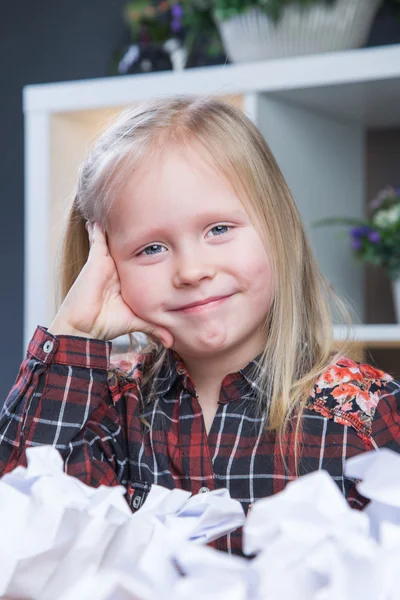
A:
(202, 305)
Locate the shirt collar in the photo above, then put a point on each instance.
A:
(235, 386)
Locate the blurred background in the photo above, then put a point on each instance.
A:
(52, 41)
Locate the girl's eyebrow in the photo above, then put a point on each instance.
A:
(130, 238)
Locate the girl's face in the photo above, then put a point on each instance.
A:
(189, 257)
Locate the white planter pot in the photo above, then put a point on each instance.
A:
(396, 298)
(301, 30)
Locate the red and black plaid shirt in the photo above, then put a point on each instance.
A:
(65, 395)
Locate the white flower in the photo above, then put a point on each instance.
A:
(386, 218)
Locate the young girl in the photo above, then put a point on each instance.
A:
(183, 228)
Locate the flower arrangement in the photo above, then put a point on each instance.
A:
(189, 23)
(170, 16)
(146, 10)
(376, 239)
(195, 33)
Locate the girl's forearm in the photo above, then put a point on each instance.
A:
(61, 386)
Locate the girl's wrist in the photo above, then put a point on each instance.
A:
(60, 328)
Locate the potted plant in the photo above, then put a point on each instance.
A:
(260, 29)
(376, 239)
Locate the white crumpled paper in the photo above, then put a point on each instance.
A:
(201, 518)
(379, 472)
(61, 540)
(55, 529)
(203, 574)
(50, 524)
(310, 543)
(213, 575)
(108, 585)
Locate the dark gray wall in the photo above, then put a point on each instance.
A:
(40, 41)
(43, 41)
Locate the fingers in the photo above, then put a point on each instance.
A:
(97, 239)
(162, 335)
(98, 249)
(159, 333)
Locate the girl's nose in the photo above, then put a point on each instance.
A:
(191, 270)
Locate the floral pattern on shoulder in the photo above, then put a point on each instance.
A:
(348, 392)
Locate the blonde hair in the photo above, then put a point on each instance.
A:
(300, 344)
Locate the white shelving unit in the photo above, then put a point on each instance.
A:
(314, 112)
(372, 336)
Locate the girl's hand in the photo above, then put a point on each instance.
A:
(94, 306)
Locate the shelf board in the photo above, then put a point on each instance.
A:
(373, 336)
(361, 84)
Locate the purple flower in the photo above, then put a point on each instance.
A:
(359, 232)
(177, 14)
(356, 244)
(374, 237)
(177, 11)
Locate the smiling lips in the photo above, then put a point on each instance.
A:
(202, 304)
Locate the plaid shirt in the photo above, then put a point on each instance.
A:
(67, 396)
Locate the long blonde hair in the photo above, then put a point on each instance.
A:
(300, 343)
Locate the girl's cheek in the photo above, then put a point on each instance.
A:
(140, 294)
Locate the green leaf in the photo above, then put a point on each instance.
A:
(226, 9)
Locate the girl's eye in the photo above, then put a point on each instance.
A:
(219, 230)
(153, 249)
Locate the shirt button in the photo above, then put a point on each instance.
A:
(203, 490)
(48, 347)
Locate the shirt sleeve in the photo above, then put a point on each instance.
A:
(386, 423)
(61, 398)
(385, 431)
